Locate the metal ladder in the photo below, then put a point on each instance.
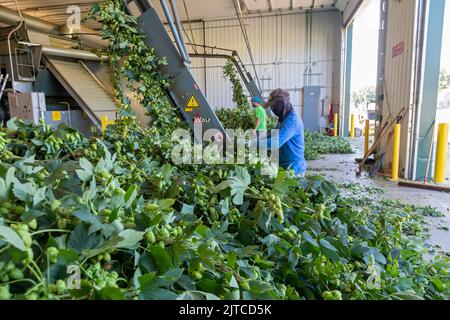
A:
(232, 55)
(3, 81)
(25, 63)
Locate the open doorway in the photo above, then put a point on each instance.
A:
(443, 108)
(364, 65)
(361, 67)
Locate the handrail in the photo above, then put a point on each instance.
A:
(240, 67)
(175, 33)
(179, 29)
(5, 80)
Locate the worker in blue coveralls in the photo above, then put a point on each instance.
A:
(290, 138)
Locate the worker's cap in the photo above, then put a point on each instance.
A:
(256, 100)
(276, 95)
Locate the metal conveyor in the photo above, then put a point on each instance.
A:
(85, 89)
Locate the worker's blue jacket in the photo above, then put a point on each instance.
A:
(291, 142)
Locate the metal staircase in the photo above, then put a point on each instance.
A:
(221, 53)
(3, 81)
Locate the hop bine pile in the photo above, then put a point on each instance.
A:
(316, 144)
(99, 219)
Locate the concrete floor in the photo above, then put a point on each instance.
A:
(341, 169)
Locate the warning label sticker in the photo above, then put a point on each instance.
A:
(56, 116)
(192, 104)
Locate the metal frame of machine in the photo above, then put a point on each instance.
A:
(184, 92)
(41, 66)
(71, 86)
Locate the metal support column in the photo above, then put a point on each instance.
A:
(347, 82)
(205, 69)
(434, 13)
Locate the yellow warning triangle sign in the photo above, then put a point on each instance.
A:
(192, 103)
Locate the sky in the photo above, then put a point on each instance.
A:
(365, 46)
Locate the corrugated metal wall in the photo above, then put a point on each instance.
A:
(283, 53)
(399, 70)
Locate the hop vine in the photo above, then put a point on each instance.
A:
(229, 73)
(134, 63)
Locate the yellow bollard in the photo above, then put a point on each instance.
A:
(352, 126)
(104, 122)
(441, 153)
(336, 122)
(366, 137)
(396, 152)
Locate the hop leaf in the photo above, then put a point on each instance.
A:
(239, 184)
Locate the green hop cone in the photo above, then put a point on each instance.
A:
(26, 237)
(16, 274)
(61, 287)
(53, 253)
(4, 292)
(164, 233)
(332, 295)
(55, 204)
(33, 224)
(150, 237)
(31, 296)
(106, 257)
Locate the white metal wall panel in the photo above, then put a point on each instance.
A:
(398, 74)
(281, 50)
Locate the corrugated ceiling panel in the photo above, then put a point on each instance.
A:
(323, 3)
(303, 3)
(199, 9)
(280, 4)
(353, 8)
(27, 4)
(257, 5)
(340, 4)
(266, 5)
(55, 11)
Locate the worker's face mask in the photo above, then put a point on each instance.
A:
(282, 108)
